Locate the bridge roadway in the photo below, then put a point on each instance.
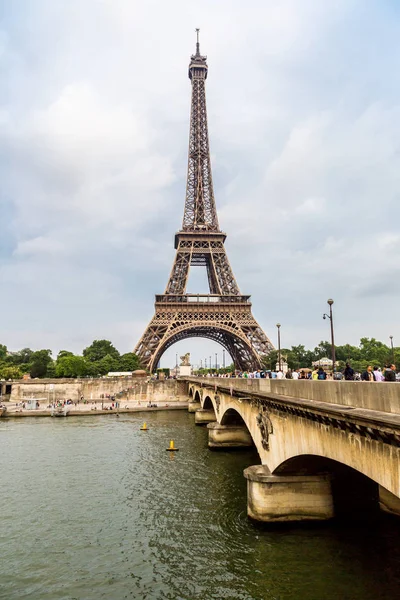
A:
(326, 448)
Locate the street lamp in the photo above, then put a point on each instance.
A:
(216, 361)
(223, 358)
(279, 346)
(210, 364)
(330, 317)
(176, 365)
(205, 363)
(391, 344)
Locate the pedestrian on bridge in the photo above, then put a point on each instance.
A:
(348, 373)
(390, 373)
(368, 374)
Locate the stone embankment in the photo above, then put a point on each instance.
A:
(126, 388)
(94, 396)
(92, 409)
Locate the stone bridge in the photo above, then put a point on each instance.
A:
(326, 448)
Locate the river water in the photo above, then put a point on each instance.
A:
(92, 507)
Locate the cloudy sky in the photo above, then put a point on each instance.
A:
(304, 118)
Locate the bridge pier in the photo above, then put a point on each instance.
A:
(203, 416)
(275, 498)
(228, 436)
(193, 406)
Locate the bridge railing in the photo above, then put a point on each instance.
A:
(379, 396)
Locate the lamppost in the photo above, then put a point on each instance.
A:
(201, 363)
(210, 363)
(216, 361)
(279, 346)
(330, 317)
(205, 363)
(176, 365)
(391, 344)
(223, 358)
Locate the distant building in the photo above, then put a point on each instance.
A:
(325, 363)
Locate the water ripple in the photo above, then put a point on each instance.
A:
(94, 508)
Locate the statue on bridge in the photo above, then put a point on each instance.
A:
(185, 360)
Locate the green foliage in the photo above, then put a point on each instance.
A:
(23, 356)
(64, 353)
(129, 362)
(369, 352)
(106, 364)
(51, 370)
(10, 372)
(71, 366)
(269, 361)
(100, 349)
(101, 357)
(39, 361)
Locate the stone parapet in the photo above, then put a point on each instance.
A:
(379, 396)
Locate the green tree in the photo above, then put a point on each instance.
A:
(71, 366)
(39, 361)
(23, 356)
(3, 351)
(347, 353)
(269, 361)
(374, 351)
(324, 349)
(51, 369)
(10, 372)
(99, 349)
(64, 353)
(128, 362)
(106, 364)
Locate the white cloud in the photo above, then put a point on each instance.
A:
(304, 123)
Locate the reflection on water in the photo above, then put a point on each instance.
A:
(91, 507)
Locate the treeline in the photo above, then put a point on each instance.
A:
(369, 352)
(101, 357)
(97, 359)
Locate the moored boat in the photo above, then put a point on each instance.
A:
(59, 411)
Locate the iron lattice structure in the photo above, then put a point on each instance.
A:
(224, 314)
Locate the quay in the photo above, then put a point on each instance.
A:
(83, 410)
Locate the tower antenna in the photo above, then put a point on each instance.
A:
(198, 42)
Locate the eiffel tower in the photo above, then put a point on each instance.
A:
(224, 314)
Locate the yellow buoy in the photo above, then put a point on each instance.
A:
(172, 447)
(144, 428)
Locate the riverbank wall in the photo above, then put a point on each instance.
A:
(94, 410)
(125, 389)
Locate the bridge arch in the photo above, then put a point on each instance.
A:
(197, 396)
(191, 391)
(229, 335)
(354, 493)
(234, 416)
(299, 439)
(209, 404)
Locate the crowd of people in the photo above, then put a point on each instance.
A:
(371, 373)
